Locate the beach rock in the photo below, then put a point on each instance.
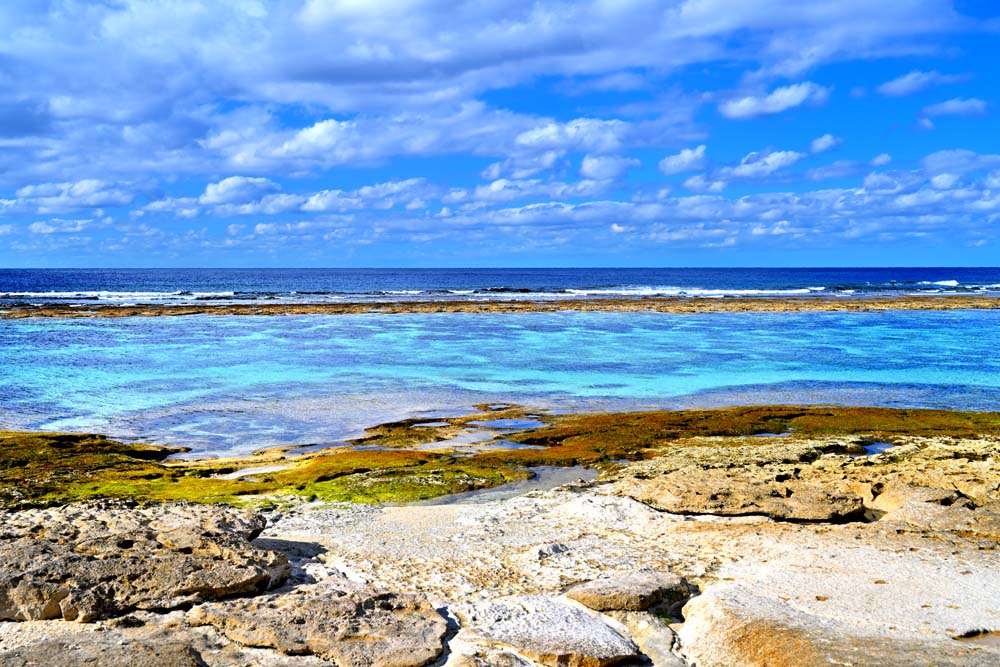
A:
(547, 631)
(100, 653)
(100, 559)
(832, 599)
(351, 626)
(630, 592)
(655, 638)
(743, 491)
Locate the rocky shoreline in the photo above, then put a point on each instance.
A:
(612, 305)
(744, 537)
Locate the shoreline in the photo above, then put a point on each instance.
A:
(679, 305)
(778, 536)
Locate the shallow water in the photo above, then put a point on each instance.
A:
(545, 478)
(227, 384)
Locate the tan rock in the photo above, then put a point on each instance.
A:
(630, 592)
(547, 631)
(351, 626)
(98, 653)
(101, 559)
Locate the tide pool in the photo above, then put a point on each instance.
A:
(223, 384)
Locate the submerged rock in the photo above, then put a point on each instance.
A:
(101, 559)
(349, 625)
(630, 592)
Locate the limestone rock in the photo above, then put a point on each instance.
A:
(741, 491)
(630, 592)
(98, 653)
(100, 559)
(832, 599)
(548, 631)
(655, 638)
(349, 625)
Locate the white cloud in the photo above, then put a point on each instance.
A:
(236, 190)
(781, 99)
(759, 165)
(916, 81)
(881, 160)
(70, 196)
(58, 226)
(607, 167)
(6, 229)
(957, 107)
(824, 143)
(700, 183)
(689, 159)
(958, 161)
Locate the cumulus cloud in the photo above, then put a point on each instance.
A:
(780, 99)
(958, 106)
(759, 165)
(916, 81)
(606, 167)
(824, 143)
(881, 160)
(70, 196)
(236, 189)
(689, 159)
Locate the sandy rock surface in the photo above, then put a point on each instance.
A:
(103, 559)
(347, 624)
(913, 582)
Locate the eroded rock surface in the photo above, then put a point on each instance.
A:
(100, 559)
(548, 631)
(630, 592)
(98, 653)
(350, 625)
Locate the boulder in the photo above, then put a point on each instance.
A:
(630, 592)
(349, 625)
(547, 631)
(101, 559)
(98, 653)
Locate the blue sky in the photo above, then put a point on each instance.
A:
(499, 133)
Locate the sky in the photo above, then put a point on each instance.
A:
(491, 133)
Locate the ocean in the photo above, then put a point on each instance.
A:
(231, 384)
(139, 286)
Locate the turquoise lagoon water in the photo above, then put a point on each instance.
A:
(222, 384)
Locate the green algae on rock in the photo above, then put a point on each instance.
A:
(50, 468)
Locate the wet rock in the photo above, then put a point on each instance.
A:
(100, 559)
(548, 632)
(351, 626)
(98, 653)
(630, 592)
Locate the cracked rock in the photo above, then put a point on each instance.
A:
(101, 559)
(350, 626)
(548, 631)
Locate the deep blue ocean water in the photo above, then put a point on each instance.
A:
(227, 285)
(223, 384)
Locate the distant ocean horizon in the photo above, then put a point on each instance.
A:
(141, 286)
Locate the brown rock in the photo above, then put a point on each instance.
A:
(98, 653)
(630, 592)
(352, 627)
(101, 559)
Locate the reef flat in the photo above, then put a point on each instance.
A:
(616, 305)
(749, 536)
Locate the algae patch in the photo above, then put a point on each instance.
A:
(51, 468)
